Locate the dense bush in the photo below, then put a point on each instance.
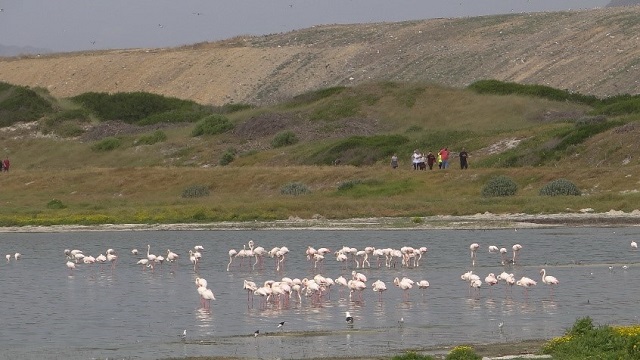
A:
(560, 187)
(507, 88)
(349, 184)
(156, 137)
(500, 186)
(313, 96)
(411, 355)
(586, 341)
(107, 144)
(19, 103)
(294, 188)
(195, 191)
(359, 150)
(212, 125)
(462, 353)
(55, 204)
(132, 107)
(284, 138)
(227, 157)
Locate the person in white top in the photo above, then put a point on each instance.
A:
(415, 159)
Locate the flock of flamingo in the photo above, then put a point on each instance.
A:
(280, 292)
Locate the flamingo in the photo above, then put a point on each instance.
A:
(198, 248)
(526, 283)
(405, 284)
(8, 257)
(473, 247)
(194, 260)
(150, 256)
(134, 251)
(423, 285)
(250, 286)
(172, 257)
(17, 256)
(516, 250)
(71, 266)
(112, 258)
(379, 287)
(493, 249)
(549, 280)
(143, 263)
(101, 259)
(232, 254)
(491, 280)
(356, 285)
(475, 283)
(503, 256)
(207, 296)
(634, 245)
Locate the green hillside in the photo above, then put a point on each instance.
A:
(137, 157)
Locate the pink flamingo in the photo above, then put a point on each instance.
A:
(549, 280)
(379, 287)
(473, 247)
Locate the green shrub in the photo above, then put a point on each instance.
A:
(500, 186)
(463, 353)
(107, 144)
(195, 191)
(19, 103)
(560, 187)
(349, 184)
(295, 189)
(132, 107)
(55, 204)
(358, 150)
(156, 137)
(284, 138)
(212, 125)
(227, 157)
(411, 355)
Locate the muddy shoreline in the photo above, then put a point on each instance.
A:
(487, 220)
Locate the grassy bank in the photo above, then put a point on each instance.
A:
(161, 195)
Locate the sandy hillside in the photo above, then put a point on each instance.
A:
(593, 52)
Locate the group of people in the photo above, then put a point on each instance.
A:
(421, 161)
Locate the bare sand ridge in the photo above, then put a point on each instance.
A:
(591, 51)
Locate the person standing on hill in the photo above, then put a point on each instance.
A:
(431, 159)
(415, 158)
(394, 161)
(444, 154)
(6, 164)
(463, 159)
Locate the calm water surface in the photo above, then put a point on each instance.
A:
(50, 312)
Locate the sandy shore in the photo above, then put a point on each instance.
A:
(584, 217)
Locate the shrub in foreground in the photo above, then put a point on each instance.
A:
(560, 187)
(411, 355)
(500, 186)
(294, 188)
(463, 353)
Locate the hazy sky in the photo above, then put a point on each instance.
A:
(69, 25)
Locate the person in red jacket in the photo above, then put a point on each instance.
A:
(5, 164)
(444, 154)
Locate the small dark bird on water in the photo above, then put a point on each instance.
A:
(255, 334)
(349, 318)
(281, 324)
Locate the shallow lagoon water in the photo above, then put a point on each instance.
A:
(50, 312)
